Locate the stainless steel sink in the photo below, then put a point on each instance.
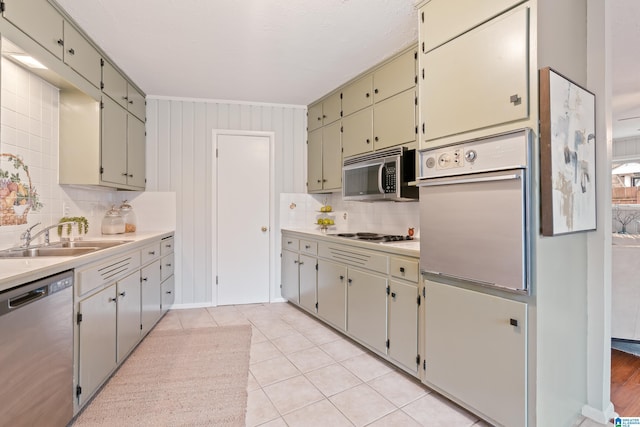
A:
(74, 248)
(99, 244)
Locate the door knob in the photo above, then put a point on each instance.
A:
(263, 228)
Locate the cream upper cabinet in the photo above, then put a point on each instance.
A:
(80, 55)
(40, 20)
(395, 76)
(113, 143)
(394, 120)
(442, 20)
(136, 172)
(136, 103)
(324, 159)
(357, 95)
(357, 133)
(496, 54)
(324, 112)
(114, 84)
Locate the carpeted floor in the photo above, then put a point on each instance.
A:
(192, 377)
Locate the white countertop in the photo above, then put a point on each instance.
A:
(16, 271)
(406, 247)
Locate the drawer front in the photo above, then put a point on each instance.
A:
(149, 253)
(290, 243)
(166, 246)
(106, 272)
(167, 267)
(309, 247)
(359, 258)
(404, 268)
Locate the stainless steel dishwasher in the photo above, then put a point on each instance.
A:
(36, 353)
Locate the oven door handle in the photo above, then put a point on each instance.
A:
(471, 180)
(380, 170)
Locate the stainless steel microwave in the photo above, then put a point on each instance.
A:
(381, 175)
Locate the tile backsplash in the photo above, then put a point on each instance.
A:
(29, 120)
(300, 210)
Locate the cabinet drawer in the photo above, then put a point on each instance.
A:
(149, 253)
(106, 272)
(290, 243)
(167, 267)
(166, 246)
(404, 268)
(309, 247)
(360, 258)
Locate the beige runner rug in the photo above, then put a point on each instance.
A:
(195, 377)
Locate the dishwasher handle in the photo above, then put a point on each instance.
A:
(28, 297)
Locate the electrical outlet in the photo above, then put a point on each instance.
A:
(65, 209)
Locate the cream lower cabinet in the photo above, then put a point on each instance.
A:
(97, 341)
(149, 284)
(475, 351)
(332, 293)
(367, 308)
(167, 268)
(128, 318)
(369, 295)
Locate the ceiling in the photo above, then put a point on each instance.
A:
(290, 52)
(275, 51)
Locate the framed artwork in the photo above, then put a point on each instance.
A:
(567, 155)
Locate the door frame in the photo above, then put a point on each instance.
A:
(214, 213)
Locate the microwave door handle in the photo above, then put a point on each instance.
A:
(380, 170)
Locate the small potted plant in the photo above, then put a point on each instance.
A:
(82, 224)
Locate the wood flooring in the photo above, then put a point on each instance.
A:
(625, 383)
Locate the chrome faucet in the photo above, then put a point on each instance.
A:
(27, 238)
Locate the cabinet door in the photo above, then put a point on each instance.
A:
(80, 55)
(357, 95)
(332, 297)
(168, 293)
(290, 277)
(331, 109)
(97, 340)
(479, 79)
(151, 295)
(442, 20)
(314, 116)
(167, 267)
(395, 76)
(113, 146)
(403, 324)
(394, 120)
(136, 166)
(472, 338)
(331, 157)
(114, 84)
(39, 20)
(128, 314)
(357, 130)
(308, 282)
(367, 308)
(136, 103)
(314, 161)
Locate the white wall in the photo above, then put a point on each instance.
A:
(179, 133)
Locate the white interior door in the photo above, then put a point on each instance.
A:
(242, 211)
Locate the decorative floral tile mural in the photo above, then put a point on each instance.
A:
(18, 195)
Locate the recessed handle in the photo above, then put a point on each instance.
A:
(401, 269)
(513, 322)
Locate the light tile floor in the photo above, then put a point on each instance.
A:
(303, 373)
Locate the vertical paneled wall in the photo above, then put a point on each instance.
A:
(179, 159)
(626, 149)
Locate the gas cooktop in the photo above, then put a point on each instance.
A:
(373, 237)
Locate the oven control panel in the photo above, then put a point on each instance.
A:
(499, 152)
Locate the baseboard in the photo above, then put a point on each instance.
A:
(207, 304)
(602, 417)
